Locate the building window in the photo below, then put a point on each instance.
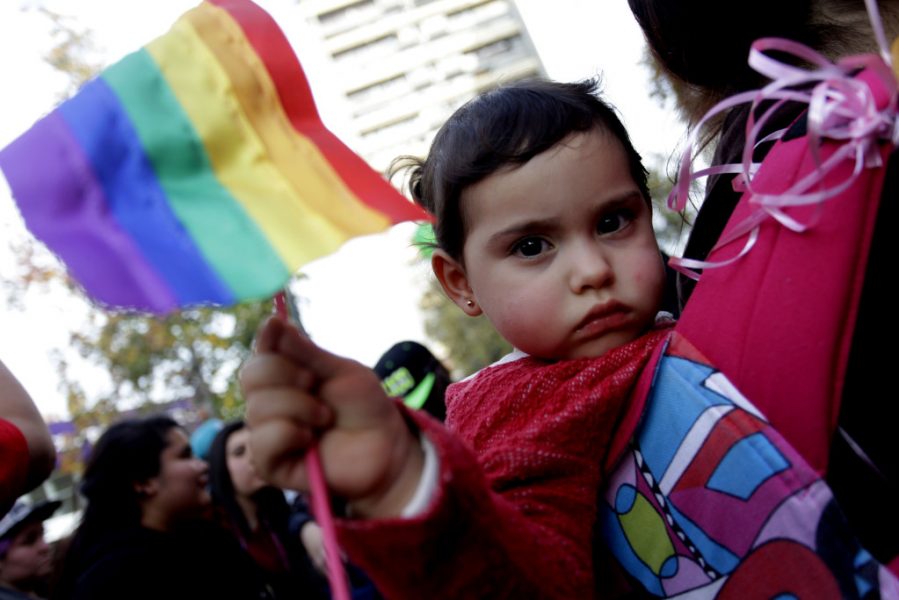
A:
(390, 126)
(477, 12)
(381, 46)
(377, 91)
(335, 16)
(497, 48)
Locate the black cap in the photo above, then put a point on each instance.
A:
(410, 371)
(22, 513)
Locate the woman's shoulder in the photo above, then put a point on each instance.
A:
(141, 563)
(8, 594)
(117, 547)
(125, 563)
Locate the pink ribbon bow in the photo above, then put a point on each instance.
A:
(841, 108)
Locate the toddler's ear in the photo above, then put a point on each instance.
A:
(452, 277)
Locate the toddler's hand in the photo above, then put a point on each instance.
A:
(297, 393)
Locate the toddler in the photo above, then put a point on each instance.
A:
(543, 224)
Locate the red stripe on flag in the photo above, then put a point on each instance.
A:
(287, 74)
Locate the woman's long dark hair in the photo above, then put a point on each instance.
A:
(270, 503)
(705, 43)
(704, 48)
(126, 454)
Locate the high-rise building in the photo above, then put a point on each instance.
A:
(392, 71)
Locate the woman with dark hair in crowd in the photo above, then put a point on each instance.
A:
(703, 47)
(145, 531)
(257, 514)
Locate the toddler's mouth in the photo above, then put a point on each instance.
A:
(603, 318)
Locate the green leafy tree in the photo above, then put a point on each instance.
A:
(72, 52)
(671, 228)
(191, 354)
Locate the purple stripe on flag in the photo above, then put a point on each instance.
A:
(63, 204)
(99, 123)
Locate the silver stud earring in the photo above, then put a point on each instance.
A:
(469, 302)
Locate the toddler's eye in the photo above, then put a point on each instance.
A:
(530, 247)
(613, 222)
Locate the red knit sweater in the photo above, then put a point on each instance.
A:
(515, 511)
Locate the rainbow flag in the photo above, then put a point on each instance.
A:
(195, 170)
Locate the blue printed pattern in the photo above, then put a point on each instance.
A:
(710, 501)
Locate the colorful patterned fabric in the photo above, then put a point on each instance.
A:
(711, 501)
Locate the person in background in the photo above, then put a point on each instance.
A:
(302, 526)
(26, 560)
(146, 531)
(27, 454)
(257, 514)
(410, 371)
(704, 51)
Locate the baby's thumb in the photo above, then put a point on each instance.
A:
(303, 352)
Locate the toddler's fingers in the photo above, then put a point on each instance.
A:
(287, 403)
(279, 337)
(267, 370)
(305, 353)
(279, 448)
(269, 333)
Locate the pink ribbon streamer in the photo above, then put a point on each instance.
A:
(841, 108)
(321, 508)
(321, 505)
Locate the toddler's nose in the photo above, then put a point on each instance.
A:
(590, 268)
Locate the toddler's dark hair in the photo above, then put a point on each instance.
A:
(506, 126)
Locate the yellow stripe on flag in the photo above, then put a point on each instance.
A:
(237, 155)
(298, 158)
